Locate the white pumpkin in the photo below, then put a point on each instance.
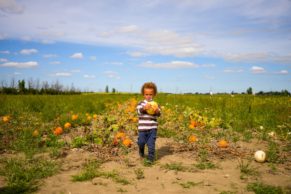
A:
(272, 134)
(260, 156)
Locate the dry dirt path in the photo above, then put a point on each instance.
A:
(159, 180)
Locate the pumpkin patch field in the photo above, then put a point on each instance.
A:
(87, 144)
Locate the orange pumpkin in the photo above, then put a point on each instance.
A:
(223, 144)
(58, 131)
(115, 141)
(67, 125)
(192, 125)
(35, 133)
(6, 119)
(134, 119)
(120, 135)
(74, 117)
(192, 138)
(127, 142)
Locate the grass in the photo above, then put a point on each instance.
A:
(227, 192)
(239, 112)
(189, 184)
(78, 142)
(114, 175)
(273, 153)
(246, 169)
(50, 105)
(92, 169)
(175, 166)
(139, 173)
(260, 188)
(22, 175)
(243, 117)
(120, 190)
(205, 165)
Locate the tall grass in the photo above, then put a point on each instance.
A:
(239, 112)
(50, 106)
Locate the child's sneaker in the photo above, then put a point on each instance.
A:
(141, 153)
(148, 162)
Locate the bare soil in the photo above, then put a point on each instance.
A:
(157, 180)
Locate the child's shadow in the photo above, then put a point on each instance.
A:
(164, 151)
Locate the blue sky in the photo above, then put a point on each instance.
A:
(182, 46)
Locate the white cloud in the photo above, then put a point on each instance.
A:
(255, 57)
(89, 76)
(55, 62)
(3, 36)
(208, 65)
(3, 60)
(282, 72)
(77, 56)
(10, 6)
(257, 70)
(46, 41)
(50, 55)
(28, 51)
(167, 42)
(153, 42)
(17, 73)
(233, 70)
(62, 74)
(170, 65)
(128, 29)
(112, 74)
(5, 52)
(246, 57)
(182, 51)
(93, 58)
(75, 70)
(115, 63)
(26, 38)
(209, 77)
(136, 54)
(29, 64)
(50, 34)
(195, 27)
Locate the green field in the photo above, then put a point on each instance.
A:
(28, 124)
(239, 112)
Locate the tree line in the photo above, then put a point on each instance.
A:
(36, 87)
(273, 93)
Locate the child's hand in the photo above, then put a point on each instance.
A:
(157, 111)
(147, 106)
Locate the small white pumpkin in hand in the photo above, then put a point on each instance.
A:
(260, 156)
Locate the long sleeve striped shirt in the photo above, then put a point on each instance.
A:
(146, 121)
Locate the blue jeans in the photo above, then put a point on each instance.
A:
(149, 138)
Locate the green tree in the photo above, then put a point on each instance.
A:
(21, 86)
(250, 90)
(106, 89)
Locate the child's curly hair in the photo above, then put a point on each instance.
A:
(149, 85)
